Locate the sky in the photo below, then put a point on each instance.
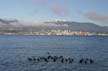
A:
(95, 11)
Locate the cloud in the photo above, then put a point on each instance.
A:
(59, 10)
(96, 17)
(7, 21)
(55, 6)
(18, 23)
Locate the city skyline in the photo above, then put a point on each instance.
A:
(51, 10)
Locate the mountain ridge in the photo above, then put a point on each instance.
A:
(52, 25)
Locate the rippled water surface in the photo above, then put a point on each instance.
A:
(14, 50)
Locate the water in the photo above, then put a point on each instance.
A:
(14, 49)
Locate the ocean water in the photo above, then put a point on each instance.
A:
(15, 49)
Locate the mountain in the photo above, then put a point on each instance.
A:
(78, 26)
(16, 25)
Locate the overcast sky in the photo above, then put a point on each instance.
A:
(50, 10)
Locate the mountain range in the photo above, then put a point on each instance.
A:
(16, 25)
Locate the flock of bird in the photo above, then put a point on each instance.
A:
(59, 59)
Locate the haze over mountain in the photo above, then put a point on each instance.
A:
(15, 25)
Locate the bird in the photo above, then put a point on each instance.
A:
(54, 60)
(62, 60)
(61, 57)
(85, 61)
(38, 59)
(33, 58)
(91, 61)
(49, 57)
(70, 60)
(45, 59)
(81, 60)
(66, 60)
(30, 59)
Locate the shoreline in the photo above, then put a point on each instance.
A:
(50, 35)
(55, 32)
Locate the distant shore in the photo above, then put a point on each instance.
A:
(55, 32)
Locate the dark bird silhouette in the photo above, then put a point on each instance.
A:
(70, 60)
(60, 57)
(38, 59)
(85, 61)
(54, 60)
(91, 61)
(30, 59)
(66, 60)
(45, 59)
(81, 60)
(62, 60)
(49, 57)
(34, 59)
